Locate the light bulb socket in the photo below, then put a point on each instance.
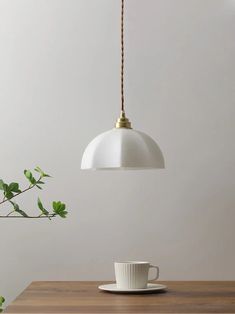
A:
(123, 121)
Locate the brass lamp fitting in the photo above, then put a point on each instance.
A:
(123, 122)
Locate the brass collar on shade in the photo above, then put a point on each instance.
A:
(123, 121)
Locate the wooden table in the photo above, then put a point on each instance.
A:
(84, 297)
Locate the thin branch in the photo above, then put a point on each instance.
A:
(32, 217)
(10, 213)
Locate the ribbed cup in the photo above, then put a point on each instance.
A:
(131, 275)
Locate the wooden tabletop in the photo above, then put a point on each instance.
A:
(84, 297)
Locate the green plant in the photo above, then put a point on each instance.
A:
(2, 300)
(12, 190)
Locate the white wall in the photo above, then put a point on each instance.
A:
(59, 87)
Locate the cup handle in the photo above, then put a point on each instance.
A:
(157, 274)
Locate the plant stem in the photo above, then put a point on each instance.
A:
(10, 213)
(33, 217)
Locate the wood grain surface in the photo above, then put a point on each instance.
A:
(84, 297)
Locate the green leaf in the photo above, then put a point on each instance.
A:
(38, 169)
(8, 194)
(46, 175)
(59, 209)
(62, 214)
(18, 210)
(38, 187)
(1, 184)
(22, 213)
(14, 187)
(45, 212)
(42, 173)
(55, 205)
(28, 174)
(40, 206)
(40, 182)
(2, 300)
(33, 180)
(7, 191)
(5, 187)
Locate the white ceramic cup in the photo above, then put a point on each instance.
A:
(133, 274)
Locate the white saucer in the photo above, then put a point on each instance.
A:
(151, 287)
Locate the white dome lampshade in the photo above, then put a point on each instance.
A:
(122, 148)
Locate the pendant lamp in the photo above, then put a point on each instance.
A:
(122, 148)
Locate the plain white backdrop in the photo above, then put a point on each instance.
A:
(59, 87)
